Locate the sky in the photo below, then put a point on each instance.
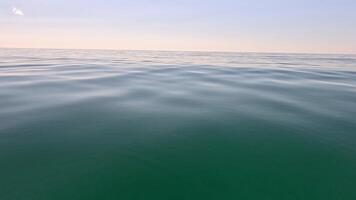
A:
(301, 26)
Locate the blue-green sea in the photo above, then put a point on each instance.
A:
(155, 125)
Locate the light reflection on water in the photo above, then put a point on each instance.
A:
(84, 124)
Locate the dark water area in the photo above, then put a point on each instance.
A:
(87, 124)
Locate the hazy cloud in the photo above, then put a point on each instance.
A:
(17, 11)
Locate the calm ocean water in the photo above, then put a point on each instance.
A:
(78, 124)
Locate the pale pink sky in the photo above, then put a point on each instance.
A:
(226, 25)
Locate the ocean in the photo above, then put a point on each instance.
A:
(100, 124)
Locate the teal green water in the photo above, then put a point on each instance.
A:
(176, 125)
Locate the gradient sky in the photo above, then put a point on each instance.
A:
(317, 26)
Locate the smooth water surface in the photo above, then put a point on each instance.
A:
(78, 124)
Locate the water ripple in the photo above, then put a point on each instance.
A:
(198, 118)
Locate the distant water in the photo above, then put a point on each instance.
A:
(176, 125)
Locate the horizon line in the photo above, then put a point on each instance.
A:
(197, 51)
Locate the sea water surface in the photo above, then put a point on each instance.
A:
(90, 124)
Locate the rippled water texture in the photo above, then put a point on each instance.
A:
(78, 124)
